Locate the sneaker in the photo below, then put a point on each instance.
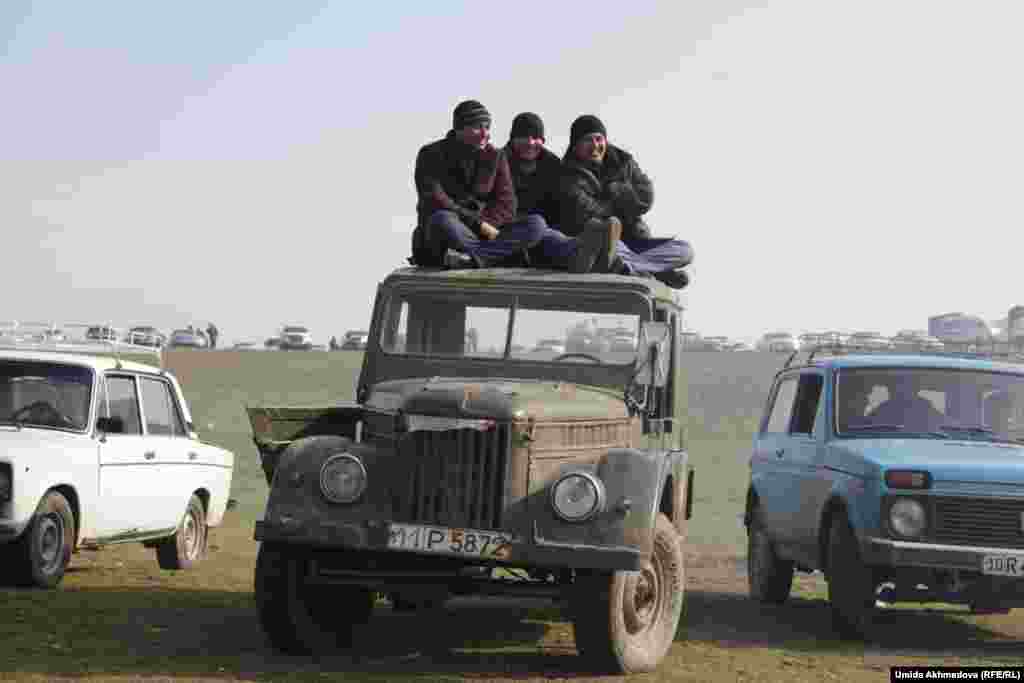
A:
(456, 259)
(595, 247)
(676, 279)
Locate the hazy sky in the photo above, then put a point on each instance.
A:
(835, 165)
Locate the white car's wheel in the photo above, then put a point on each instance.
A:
(188, 545)
(44, 549)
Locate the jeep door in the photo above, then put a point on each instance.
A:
(128, 496)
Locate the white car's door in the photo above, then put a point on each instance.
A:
(128, 491)
(177, 463)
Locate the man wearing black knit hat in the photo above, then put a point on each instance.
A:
(466, 202)
(600, 183)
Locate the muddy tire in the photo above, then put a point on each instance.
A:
(770, 578)
(188, 544)
(301, 618)
(625, 622)
(851, 586)
(44, 550)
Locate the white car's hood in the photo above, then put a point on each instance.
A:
(31, 443)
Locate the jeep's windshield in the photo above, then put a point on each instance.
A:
(940, 402)
(542, 328)
(41, 394)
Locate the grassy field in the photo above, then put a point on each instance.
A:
(117, 616)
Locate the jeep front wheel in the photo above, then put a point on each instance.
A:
(851, 587)
(625, 622)
(769, 577)
(301, 617)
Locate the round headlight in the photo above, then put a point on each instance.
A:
(343, 478)
(906, 517)
(577, 497)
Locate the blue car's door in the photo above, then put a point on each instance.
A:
(768, 466)
(802, 466)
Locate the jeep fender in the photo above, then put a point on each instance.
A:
(635, 483)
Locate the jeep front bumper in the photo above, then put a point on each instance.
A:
(373, 536)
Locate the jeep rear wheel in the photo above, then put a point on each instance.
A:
(301, 617)
(851, 586)
(625, 622)
(770, 578)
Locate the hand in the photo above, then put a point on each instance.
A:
(488, 231)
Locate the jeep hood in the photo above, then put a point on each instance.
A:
(953, 460)
(500, 399)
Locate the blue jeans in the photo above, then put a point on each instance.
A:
(450, 232)
(639, 256)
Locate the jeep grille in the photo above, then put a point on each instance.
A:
(979, 522)
(457, 477)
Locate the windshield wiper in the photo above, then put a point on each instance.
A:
(972, 429)
(858, 428)
(892, 427)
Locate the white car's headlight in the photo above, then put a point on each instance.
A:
(907, 518)
(577, 496)
(343, 478)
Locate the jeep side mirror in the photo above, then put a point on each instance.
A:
(110, 425)
(653, 354)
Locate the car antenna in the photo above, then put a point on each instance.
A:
(117, 350)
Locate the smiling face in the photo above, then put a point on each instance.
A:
(476, 135)
(527, 148)
(592, 148)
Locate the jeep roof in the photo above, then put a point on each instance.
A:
(535, 276)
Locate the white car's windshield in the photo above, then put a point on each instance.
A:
(946, 403)
(597, 330)
(40, 394)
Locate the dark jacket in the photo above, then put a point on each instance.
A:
(537, 192)
(617, 187)
(474, 183)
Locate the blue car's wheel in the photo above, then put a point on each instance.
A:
(770, 578)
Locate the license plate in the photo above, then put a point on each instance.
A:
(1003, 565)
(445, 541)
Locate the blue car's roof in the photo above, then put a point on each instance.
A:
(917, 360)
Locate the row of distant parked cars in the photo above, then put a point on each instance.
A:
(785, 342)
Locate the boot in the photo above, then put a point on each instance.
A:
(595, 247)
(676, 278)
(456, 259)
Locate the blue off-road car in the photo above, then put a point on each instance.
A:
(899, 476)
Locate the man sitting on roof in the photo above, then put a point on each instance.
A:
(604, 195)
(536, 176)
(466, 203)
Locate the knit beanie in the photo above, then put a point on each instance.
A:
(470, 113)
(527, 125)
(585, 125)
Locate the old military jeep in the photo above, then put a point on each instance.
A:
(477, 461)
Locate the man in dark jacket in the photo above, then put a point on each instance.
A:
(467, 205)
(600, 181)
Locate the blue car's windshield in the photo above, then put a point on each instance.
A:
(939, 402)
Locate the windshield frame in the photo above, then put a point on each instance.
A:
(642, 307)
(90, 398)
(889, 430)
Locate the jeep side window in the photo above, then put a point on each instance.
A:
(782, 407)
(124, 403)
(806, 408)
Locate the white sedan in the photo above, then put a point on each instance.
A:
(95, 451)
